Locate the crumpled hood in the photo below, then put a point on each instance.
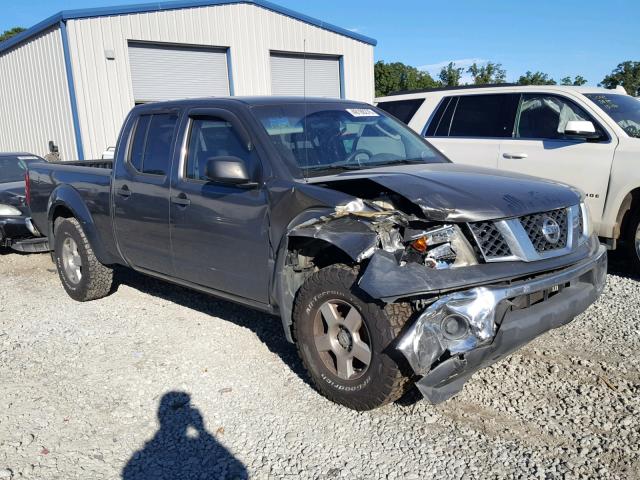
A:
(462, 193)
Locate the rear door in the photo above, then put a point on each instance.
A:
(539, 147)
(219, 231)
(141, 192)
(469, 128)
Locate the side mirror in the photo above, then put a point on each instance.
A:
(580, 129)
(228, 170)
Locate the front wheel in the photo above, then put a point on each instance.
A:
(83, 277)
(344, 339)
(632, 240)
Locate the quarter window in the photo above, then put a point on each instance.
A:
(214, 137)
(546, 116)
(490, 116)
(152, 143)
(403, 110)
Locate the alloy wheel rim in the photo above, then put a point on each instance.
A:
(637, 241)
(71, 261)
(342, 339)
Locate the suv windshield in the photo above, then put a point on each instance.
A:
(12, 168)
(623, 109)
(323, 138)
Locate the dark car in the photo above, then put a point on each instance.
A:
(387, 264)
(16, 229)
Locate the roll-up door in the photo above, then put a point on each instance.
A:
(168, 72)
(313, 76)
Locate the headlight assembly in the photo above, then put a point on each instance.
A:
(9, 211)
(439, 247)
(587, 225)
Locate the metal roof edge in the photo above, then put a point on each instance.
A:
(171, 5)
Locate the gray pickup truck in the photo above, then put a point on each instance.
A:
(388, 265)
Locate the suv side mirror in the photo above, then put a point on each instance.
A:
(228, 170)
(581, 129)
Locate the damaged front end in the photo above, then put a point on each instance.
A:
(480, 290)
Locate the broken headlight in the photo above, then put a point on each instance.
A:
(439, 247)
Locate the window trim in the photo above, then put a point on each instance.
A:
(127, 163)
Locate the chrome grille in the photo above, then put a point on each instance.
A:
(490, 240)
(533, 225)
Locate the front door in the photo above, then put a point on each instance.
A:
(141, 193)
(219, 231)
(539, 148)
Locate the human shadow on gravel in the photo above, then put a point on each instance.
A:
(267, 328)
(182, 448)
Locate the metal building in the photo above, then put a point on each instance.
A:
(73, 77)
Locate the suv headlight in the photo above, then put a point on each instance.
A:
(440, 247)
(9, 211)
(587, 226)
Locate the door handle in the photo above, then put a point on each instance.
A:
(515, 155)
(181, 200)
(124, 191)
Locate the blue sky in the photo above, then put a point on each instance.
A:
(562, 37)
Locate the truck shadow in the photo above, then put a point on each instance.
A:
(182, 448)
(267, 328)
(620, 266)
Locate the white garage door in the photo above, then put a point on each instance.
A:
(167, 72)
(289, 75)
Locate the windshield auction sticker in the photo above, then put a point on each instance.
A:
(362, 112)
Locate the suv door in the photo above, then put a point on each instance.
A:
(141, 192)
(539, 147)
(469, 128)
(219, 231)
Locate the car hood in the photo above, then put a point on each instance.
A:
(462, 193)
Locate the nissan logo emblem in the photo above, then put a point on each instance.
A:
(550, 230)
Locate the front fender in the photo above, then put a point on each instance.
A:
(66, 198)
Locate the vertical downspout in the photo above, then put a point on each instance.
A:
(341, 67)
(72, 90)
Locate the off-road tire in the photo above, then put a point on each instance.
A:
(97, 279)
(383, 382)
(630, 238)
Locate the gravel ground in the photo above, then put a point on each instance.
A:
(159, 382)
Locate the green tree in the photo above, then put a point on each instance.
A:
(488, 73)
(577, 81)
(626, 74)
(393, 77)
(536, 78)
(450, 75)
(10, 33)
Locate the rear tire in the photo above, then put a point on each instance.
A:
(83, 277)
(344, 337)
(632, 240)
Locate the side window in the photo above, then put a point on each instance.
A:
(546, 116)
(441, 121)
(151, 144)
(214, 137)
(489, 116)
(403, 110)
(139, 141)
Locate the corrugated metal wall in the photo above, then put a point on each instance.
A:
(104, 86)
(34, 98)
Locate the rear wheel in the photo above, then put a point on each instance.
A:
(343, 339)
(632, 240)
(83, 277)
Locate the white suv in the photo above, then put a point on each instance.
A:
(586, 137)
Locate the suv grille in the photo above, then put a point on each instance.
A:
(490, 240)
(533, 225)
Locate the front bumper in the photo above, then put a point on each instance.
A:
(465, 331)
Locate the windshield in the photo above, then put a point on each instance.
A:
(623, 109)
(12, 168)
(324, 138)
